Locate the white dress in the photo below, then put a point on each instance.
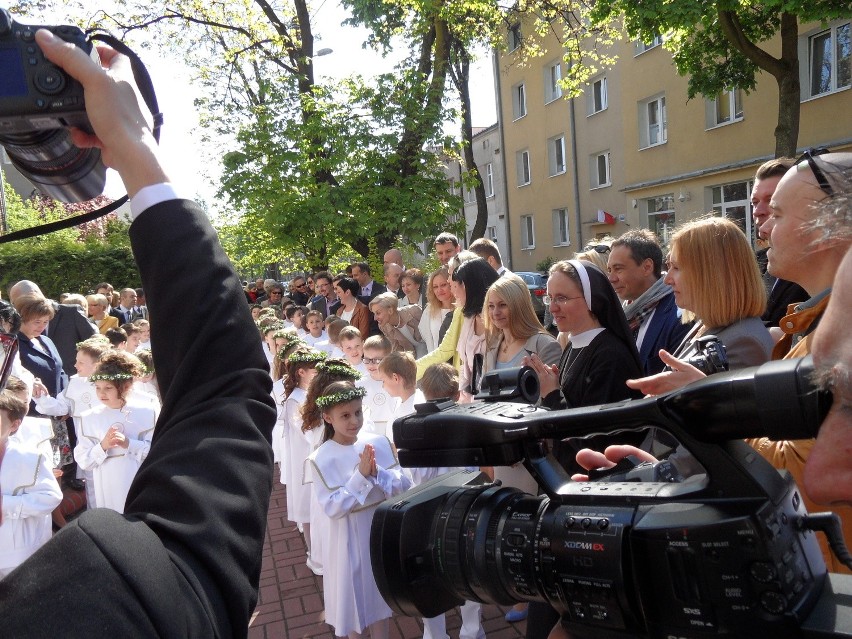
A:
(319, 520)
(279, 431)
(30, 493)
(379, 407)
(352, 599)
(114, 470)
(298, 449)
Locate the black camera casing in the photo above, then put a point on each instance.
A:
(35, 94)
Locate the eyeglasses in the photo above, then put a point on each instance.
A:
(809, 157)
(301, 285)
(598, 248)
(559, 300)
(370, 361)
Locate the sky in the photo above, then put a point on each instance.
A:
(176, 92)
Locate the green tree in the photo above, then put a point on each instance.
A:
(720, 44)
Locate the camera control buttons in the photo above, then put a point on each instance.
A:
(763, 572)
(50, 80)
(26, 34)
(773, 602)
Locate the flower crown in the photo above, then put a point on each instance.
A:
(327, 401)
(110, 377)
(307, 356)
(286, 334)
(338, 368)
(289, 346)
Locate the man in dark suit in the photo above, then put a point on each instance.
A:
(369, 287)
(635, 271)
(184, 559)
(124, 311)
(325, 301)
(780, 293)
(68, 326)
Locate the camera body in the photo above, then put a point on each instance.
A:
(38, 101)
(721, 553)
(712, 356)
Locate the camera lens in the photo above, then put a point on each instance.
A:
(58, 168)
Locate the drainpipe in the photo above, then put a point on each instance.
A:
(577, 217)
(496, 63)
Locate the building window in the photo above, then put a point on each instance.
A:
(560, 227)
(519, 101)
(652, 122)
(527, 232)
(596, 96)
(491, 231)
(661, 217)
(522, 159)
(514, 36)
(556, 155)
(829, 58)
(469, 196)
(733, 202)
(489, 180)
(552, 77)
(599, 170)
(725, 108)
(640, 47)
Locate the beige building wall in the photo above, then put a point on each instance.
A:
(702, 165)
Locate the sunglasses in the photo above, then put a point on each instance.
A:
(598, 248)
(810, 156)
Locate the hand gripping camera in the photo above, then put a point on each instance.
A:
(724, 553)
(37, 102)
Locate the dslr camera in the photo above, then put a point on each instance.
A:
(712, 356)
(725, 552)
(38, 100)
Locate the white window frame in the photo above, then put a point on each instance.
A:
(492, 233)
(514, 36)
(592, 106)
(733, 100)
(552, 77)
(723, 204)
(555, 152)
(661, 207)
(489, 180)
(524, 169)
(657, 106)
(561, 228)
(595, 170)
(527, 232)
(469, 195)
(806, 57)
(519, 101)
(640, 47)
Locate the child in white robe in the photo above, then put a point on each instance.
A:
(301, 369)
(286, 342)
(30, 492)
(77, 398)
(379, 407)
(115, 436)
(314, 331)
(327, 372)
(353, 473)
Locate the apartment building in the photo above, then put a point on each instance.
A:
(632, 151)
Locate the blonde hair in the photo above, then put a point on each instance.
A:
(432, 299)
(720, 271)
(400, 363)
(386, 300)
(79, 300)
(440, 380)
(589, 254)
(523, 322)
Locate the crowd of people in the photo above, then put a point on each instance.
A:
(180, 480)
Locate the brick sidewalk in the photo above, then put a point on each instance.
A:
(290, 603)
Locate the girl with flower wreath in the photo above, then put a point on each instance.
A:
(286, 343)
(327, 372)
(116, 436)
(301, 369)
(353, 471)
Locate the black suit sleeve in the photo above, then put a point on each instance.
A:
(184, 561)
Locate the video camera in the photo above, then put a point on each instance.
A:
(38, 101)
(724, 553)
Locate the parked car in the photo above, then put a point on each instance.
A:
(537, 284)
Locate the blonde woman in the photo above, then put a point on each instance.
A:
(399, 325)
(439, 305)
(98, 306)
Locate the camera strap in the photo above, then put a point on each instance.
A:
(146, 90)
